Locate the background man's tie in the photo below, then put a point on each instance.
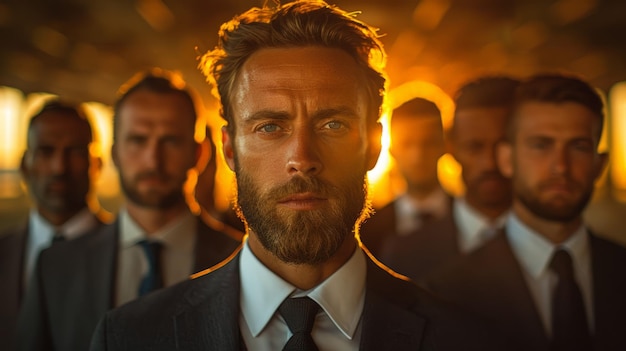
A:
(570, 330)
(153, 279)
(299, 313)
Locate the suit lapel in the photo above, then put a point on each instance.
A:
(609, 291)
(208, 318)
(387, 322)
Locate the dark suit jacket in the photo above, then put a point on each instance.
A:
(12, 246)
(490, 282)
(203, 314)
(415, 255)
(74, 286)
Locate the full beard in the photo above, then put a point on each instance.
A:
(302, 237)
(552, 210)
(151, 199)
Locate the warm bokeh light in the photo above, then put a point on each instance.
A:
(11, 130)
(101, 118)
(618, 140)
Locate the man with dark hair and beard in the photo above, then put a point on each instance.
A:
(155, 242)
(481, 109)
(301, 87)
(549, 283)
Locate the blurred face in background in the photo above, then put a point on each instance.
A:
(154, 148)
(473, 141)
(416, 145)
(57, 164)
(553, 159)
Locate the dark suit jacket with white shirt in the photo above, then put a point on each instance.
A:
(74, 285)
(489, 282)
(203, 314)
(415, 255)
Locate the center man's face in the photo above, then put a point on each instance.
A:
(154, 148)
(300, 150)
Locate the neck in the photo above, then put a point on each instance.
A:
(55, 218)
(491, 212)
(153, 219)
(421, 192)
(556, 232)
(303, 276)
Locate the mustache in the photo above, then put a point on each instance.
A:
(300, 185)
(491, 175)
(57, 178)
(151, 175)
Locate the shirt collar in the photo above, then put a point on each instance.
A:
(174, 234)
(534, 252)
(341, 295)
(471, 222)
(74, 227)
(435, 203)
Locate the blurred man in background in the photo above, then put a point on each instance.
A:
(548, 283)
(58, 169)
(481, 110)
(155, 242)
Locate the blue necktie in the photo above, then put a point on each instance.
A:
(153, 279)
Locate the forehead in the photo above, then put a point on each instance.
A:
(313, 73)
(556, 118)
(150, 109)
(480, 121)
(59, 126)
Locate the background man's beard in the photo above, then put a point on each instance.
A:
(152, 199)
(302, 237)
(548, 210)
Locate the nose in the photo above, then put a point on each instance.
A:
(152, 156)
(303, 155)
(560, 164)
(59, 162)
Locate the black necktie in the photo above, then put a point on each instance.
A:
(424, 217)
(299, 313)
(569, 323)
(152, 280)
(58, 237)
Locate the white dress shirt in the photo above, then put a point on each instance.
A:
(41, 233)
(341, 298)
(534, 254)
(436, 203)
(177, 255)
(474, 228)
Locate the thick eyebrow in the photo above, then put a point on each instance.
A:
(321, 114)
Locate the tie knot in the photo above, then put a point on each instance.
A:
(299, 314)
(561, 264)
(58, 237)
(424, 216)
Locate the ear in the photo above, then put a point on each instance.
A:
(227, 149)
(601, 163)
(23, 167)
(114, 156)
(504, 154)
(375, 145)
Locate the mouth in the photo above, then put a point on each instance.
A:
(303, 201)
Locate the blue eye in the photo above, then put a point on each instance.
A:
(334, 125)
(269, 128)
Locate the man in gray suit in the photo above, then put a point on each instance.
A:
(156, 241)
(58, 169)
(548, 283)
(301, 87)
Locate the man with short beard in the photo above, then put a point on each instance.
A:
(301, 88)
(155, 242)
(549, 282)
(481, 109)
